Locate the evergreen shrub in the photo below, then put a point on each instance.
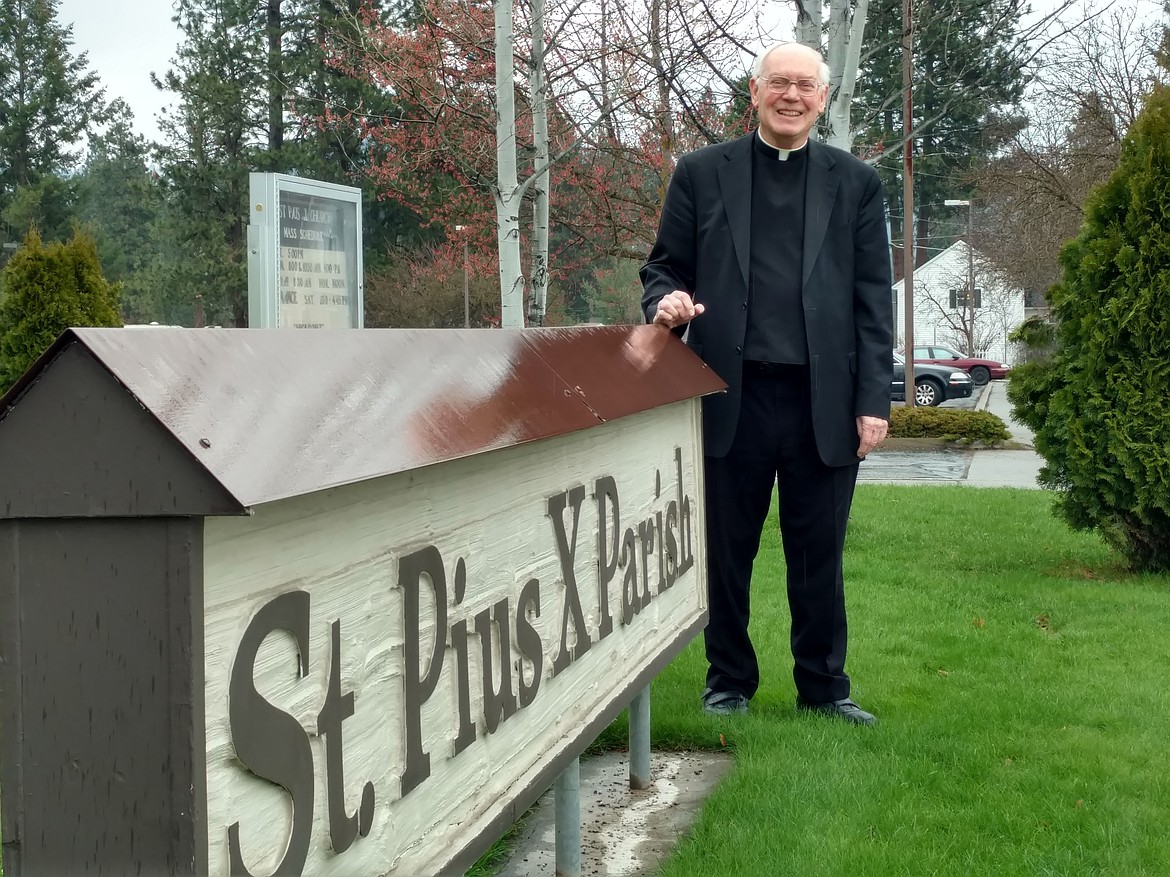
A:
(951, 424)
(1100, 407)
(1037, 338)
(47, 289)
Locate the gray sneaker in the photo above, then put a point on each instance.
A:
(723, 703)
(844, 709)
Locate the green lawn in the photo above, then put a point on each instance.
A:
(1020, 678)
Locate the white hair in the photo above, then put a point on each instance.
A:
(824, 73)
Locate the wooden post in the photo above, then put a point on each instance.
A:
(908, 197)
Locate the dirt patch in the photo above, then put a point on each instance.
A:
(624, 833)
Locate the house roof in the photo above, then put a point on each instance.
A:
(958, 248)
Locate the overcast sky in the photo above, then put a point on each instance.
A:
(127, 39)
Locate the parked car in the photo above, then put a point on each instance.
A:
(981, 370)
(933, 384)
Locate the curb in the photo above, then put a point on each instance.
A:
(908, 445)
(984, 398)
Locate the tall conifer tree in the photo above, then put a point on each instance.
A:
(119, 200)
(1097, 407)
(49, 98)
(968, 77)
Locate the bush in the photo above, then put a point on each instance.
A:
(1099, 407)
(47, 289)
(1036, 337)
(952, 424)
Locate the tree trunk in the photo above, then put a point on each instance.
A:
(838, 35)
(507, 193)
(606, 87)
(665, 118)
(808, 24)
(840, 124)
(275, 80)
(539, 294)
(19, 157)
(922, 237)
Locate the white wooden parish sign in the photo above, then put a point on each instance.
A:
(330, 603)
(377, 699)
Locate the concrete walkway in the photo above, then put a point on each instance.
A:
(1001, 467)
(987, 467)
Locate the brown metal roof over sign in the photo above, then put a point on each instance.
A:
(276, 413)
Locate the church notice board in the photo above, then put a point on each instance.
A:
(304, 254)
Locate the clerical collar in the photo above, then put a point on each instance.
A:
(772, 152)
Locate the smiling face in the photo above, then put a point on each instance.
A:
(786, 119)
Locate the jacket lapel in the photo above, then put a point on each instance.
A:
(735, 186)
(820, 191)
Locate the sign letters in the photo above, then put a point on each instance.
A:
(608, 571)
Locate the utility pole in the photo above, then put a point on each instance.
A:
(970, 282)
(908, 198)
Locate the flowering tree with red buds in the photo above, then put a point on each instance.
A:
(489, 129)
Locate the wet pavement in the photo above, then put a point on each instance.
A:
(1016, 466)
(915, 467)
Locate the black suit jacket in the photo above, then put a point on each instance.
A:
(703, 247)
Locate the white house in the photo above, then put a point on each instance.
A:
(943, 313)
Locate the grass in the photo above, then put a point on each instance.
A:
(1019, 674)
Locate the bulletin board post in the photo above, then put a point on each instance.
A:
(304, 254)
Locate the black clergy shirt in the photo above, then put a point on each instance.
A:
(775, 329)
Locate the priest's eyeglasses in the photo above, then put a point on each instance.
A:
(780, 85)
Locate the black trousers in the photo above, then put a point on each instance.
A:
(774, 445)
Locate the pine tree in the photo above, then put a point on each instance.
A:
(967, 79)
(120, 199)
(49, 205)
(48, 98)
(212, 139)
(47, 289)
(1099, 407)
